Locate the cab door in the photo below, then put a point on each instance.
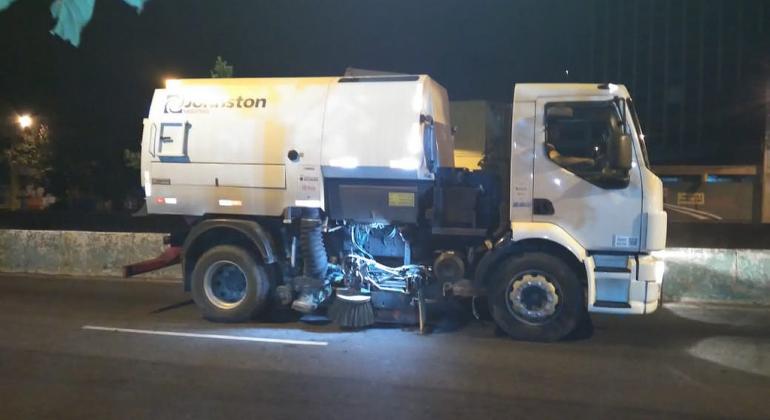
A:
(571, 145)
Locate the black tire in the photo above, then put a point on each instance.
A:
(254, 297)
(568, 313)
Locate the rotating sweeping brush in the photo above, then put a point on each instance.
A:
(351, 310)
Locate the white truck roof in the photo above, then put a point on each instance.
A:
(530, 92)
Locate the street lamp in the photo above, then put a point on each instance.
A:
(25, 121)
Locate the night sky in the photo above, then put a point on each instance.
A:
(95, 96)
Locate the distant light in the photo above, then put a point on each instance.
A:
(408, 164)
(230, 203)
(170, 200)
(173, 83)
(25, 121)
(612, 87)
(347, 162)
(557, 181)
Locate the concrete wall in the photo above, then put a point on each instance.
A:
(696, 274)
(78, 253)
(722, 275)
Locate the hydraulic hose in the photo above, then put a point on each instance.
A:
(312, 247)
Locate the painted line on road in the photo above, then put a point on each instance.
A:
(212, 336)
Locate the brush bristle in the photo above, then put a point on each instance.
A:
(351, 314)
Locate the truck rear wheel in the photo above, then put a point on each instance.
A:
(536, 297)
(228, 285)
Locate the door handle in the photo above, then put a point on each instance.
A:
(542, 207)
(153, 131)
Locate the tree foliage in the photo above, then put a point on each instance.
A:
(73, 15)
(221, 69)
(32, 152)
(132, 159)
(4, 4)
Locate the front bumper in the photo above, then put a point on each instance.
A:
(634, 291)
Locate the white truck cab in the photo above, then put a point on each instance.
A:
(609, 221)
(340, 195)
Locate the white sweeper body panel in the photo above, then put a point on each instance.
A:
(259, 146)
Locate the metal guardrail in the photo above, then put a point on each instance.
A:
(706, 170)
(734, 192)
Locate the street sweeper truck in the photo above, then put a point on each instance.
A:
(339, 195)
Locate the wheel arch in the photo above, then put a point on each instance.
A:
(534, 237)
(244, 233)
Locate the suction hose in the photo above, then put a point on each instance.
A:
(311, 245)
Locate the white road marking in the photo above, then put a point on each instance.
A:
(212, 336)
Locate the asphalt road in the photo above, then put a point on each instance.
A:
(683, 361)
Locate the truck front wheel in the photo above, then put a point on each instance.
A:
(536, 297)
(228, 285)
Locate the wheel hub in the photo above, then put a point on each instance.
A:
(533, 298)
(225, 284)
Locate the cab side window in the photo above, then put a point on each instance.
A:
(578, 134)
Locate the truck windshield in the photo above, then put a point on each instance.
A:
(639, 134)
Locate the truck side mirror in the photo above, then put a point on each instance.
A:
(619, 153)
(616, 173)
